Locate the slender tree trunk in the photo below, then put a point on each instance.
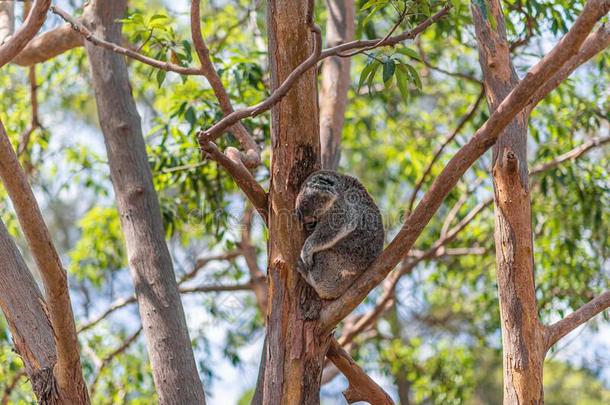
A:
(67, 371)
(169, 347)
(335, 81)
(522, 341)
(26, 313)
(295, 353)
(400, 376)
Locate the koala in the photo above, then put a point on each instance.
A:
(345, 231)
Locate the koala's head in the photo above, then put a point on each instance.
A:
(318, 194)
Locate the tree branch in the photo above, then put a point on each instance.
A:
(595, 43)
(108, 359)
(571, 155)
(252, 157)
(258, 280)
(440, 149)
(49, 45)
(88, 35)
(27, 31)
(123, 302)
(34, 120)
(217, 129)
(335, 82)
(242, 176)
(361, 386)
(26, 316)
(559, 329)
(47, 259)
(483, 139)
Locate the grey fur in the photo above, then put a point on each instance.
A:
(346, 231)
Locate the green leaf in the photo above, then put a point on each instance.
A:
(190, 116)
(366, 72)
(414, 76)
(411, 53)
(372, 13)
(158, 17)
(372, 75)
(402, 80)
(372, 3)
(161, 77)
(389, 67)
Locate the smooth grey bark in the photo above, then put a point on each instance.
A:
(24, 308)
(165, 330)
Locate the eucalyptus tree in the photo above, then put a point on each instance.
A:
(241, 102)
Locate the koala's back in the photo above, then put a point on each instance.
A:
(365, 243)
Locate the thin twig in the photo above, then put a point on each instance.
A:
(571, 155)
(10, 386)
(108, 359)
(88, 35)
(242, 176)
(440, 149)
(251, 158)
(217, 129)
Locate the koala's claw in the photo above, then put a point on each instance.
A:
(307, 260)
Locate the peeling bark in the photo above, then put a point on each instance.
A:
(26, 314)
(295, 352)
(169, 347)
(522, 341)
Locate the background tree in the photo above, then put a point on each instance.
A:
(401, 94)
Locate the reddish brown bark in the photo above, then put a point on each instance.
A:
(36, 17)
(26, 315)
(68, 371)
(523, 352)
(295, 352)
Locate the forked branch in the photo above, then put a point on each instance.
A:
(361, 386)
(559, 329)
(27, 31)
(251, 158)
(54, 277)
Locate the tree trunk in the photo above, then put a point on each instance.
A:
(26, 313)
(295, 352)
(67, 372)
(335, 81)
(169, 347)
(522, 341)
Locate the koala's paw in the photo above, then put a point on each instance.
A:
(301, 268)
(307, 257)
